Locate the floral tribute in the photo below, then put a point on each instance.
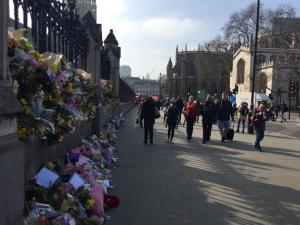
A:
(75, 190)
(54, 95)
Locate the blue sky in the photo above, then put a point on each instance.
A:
(149, 30)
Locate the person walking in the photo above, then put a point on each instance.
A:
(208, 113)
(166, 106)
(172, 118)
(190, 113)
(180, 105)
(139, 118)
(243, 112)
(284, 108)
(258, 119)
(148, 115)
(224, 111)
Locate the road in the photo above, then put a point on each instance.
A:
(213, 184)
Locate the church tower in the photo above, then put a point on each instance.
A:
(84, 6)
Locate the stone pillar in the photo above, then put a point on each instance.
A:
(12, 153)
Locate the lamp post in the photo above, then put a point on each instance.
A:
(250, 128)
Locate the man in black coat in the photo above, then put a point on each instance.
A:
(208, 113)
(224, 111)
(148, 115)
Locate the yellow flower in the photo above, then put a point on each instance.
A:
(90, 203)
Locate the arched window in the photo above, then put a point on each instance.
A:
(273, 58)
(281, 59)
(240, 71)
(261, 85)
(292, 59)
(261, 59)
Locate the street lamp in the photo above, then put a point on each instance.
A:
(250, 128)
(255, 51)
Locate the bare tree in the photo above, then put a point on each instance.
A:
(240, 28)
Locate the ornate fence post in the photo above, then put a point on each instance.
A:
(11, 150)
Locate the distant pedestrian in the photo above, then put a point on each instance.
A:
(284, 108)
(198, 104)
(224, 111)
(180, 105)
(190, 113)
(139, 118)
(208, 113)
(243, 112)
(148, 115)
(172, 118)
(166, 106)
(258, 119)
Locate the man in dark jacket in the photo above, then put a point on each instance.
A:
(172, 117)
(224, 111)
(148, 115)
(208, 113)
(259, 118)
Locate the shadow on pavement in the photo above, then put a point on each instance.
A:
(191, 183)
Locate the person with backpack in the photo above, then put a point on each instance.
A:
(190, 112)
(224, 111)
(208, 113)
(243, 112)
(258, 119)
(172, 118)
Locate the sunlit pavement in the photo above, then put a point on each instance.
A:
(216, 183)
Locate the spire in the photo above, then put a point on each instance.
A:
(186, 47)
(198, 47)
(111, 39)
(176, 49)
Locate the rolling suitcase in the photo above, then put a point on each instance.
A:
(230, 133)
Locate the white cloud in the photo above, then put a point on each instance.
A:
(171, 28)
(108, 10)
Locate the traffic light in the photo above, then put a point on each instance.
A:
(235, 90)
(292, 87)
(188, 91)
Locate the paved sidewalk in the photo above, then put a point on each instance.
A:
(213, 184)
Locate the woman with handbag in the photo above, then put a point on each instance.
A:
(258, 119)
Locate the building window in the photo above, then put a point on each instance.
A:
(261, 84)
(281, 59)
(273, 58)
(261, 59)
(240, 71)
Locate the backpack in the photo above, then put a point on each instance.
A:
(244, 111)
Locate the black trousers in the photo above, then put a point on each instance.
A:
(171, 128)
(189, 127)
(207, 125)
(148, 129)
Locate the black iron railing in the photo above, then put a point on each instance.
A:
(55, 27)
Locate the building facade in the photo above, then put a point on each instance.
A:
(278, 61)
(143, 86)
(196, 71)
(125, 71)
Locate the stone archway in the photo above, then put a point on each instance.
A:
(261, 83)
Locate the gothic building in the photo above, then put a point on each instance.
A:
(85, 6)
(196, 71)
(278, 61)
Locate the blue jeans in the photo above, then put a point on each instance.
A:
(259, 135)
